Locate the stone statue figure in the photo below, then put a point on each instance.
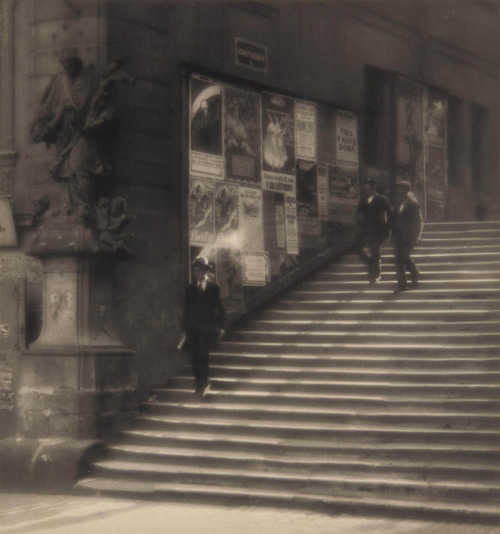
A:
(111, 221)
(74, 110)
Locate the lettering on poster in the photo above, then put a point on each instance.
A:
(255, 268)
(292, 237)
(278, 183)
(347, 138)
(305, 130)
(201, 212)
(322, 172)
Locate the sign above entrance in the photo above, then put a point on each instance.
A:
(251, 55)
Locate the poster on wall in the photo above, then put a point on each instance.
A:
(278, 143)
(307, 189)
(201, 211)
(291, 229)
(255, 268)
(251, 219)
(322, 180)
(205, 128)
(410, 136)
(342, 193)
(309, 233)
(229, 279)
(435, 103)
(305, 130)
(326, 136)
(242, 135)
(226, 212)
(346, 126)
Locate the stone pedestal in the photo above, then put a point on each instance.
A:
(77, 380)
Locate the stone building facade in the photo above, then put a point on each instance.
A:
(345, 54)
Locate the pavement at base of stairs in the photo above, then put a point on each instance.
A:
(61, 514)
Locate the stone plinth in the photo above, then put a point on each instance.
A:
(77, 380)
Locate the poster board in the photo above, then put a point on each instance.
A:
(269, 176)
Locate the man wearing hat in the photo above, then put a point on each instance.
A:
(406, 231)
(374, 219)
(203, 321)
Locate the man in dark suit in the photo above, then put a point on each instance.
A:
(203, 322)
(374, 219)
(406, 232)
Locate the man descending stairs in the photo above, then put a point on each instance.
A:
(342, 396)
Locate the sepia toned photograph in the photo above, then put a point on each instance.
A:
(250, 266)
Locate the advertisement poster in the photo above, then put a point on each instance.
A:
(278, 141)
(409, 135)
(435, 116)
(436, 182)
(242, 135)
(309, 232)
(307, 189)
(206, 128)
(347, 139)
(226, 210)
(305, 130)
(201, 211)
(255, 268)
(251, 219)
(343, 194)
(322, 180)
(228, 277)
(326, 140)
(280, 224)
(292, 236)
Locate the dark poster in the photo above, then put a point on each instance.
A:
(242, 129)
(410, 135)
(206, 128)
(307, 189)
(326, 136)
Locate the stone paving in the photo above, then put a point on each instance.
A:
(63, 514)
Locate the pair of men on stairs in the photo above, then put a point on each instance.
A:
(376, 220)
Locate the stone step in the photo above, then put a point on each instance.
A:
(430, 363)
(331, 401)
(354, 449)
(423, 347)
(300, 430)
(431, 469)
(344, 335)
(389, 274)
(284, 498)
(404, 419)
(375, 325)
(323, 484)
(462, 226)
(423, 258)
(373, 303)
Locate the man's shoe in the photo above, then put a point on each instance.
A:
(206, 391)
(400, 289)
(374, 279)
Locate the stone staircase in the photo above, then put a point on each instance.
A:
(342, 397)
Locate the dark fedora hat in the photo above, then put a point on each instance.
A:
(201, 262)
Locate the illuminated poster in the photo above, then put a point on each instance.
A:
(278, 143)
(201, 211)
(347, 139)
(255, 268)
(229, 280)
(205, 128)
(226, 212)
(305, 130)
(307, 189)
(409, 135)
(292, 235)
(242, 129)
(251, 220)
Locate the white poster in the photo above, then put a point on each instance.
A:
(251, 219)
(305, 130)
(347, 138)
(255, 268)
(292, 236)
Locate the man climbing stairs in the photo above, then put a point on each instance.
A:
(341, 396)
